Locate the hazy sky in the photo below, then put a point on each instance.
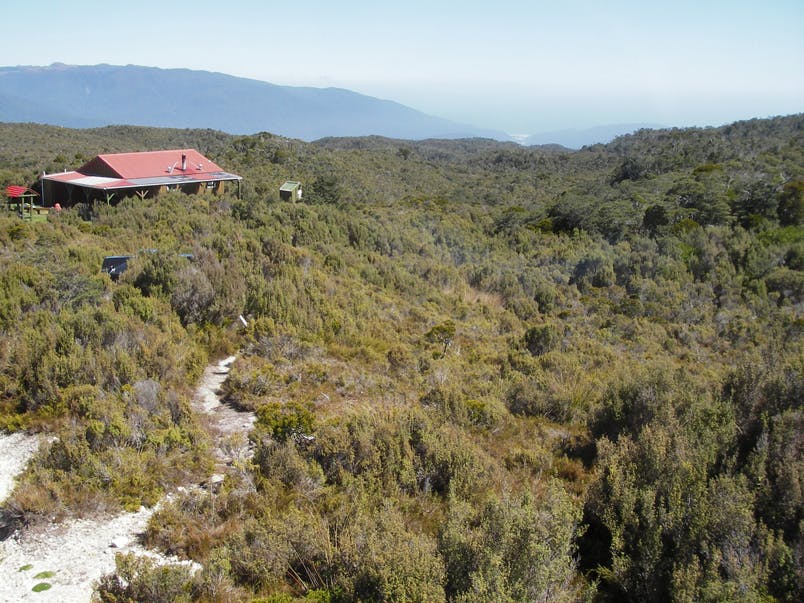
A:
(514, 65)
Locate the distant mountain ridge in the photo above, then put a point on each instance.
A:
(98, 95)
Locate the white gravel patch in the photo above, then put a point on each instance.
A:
(16, 450)
(77, 551)
(209, 386)
(228, 427)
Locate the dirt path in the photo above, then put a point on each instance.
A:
(78, 552)
(227, 426)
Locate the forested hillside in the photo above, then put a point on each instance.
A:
(481, 372)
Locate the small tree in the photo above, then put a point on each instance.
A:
(325, 189)
(791, 203)
(443, 333)
(655, 217)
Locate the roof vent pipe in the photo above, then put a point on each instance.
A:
(183, 163)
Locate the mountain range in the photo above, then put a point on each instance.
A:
(98, 95)
(89, 96)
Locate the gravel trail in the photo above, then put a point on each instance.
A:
(16, 450)
(228, 427)
(77, 552)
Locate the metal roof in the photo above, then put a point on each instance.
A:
(14, 191)
(150, 164)
(99, 183)
(150, 168)
(93, 180)
(289, 185)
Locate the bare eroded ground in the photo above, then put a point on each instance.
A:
(16, 450)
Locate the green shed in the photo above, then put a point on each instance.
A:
(290, 191)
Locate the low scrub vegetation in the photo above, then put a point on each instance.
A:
(480, 372)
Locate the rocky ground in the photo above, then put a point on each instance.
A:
(71, 555)
(15, 451)
(227, 426)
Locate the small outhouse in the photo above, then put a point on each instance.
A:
(290, 191)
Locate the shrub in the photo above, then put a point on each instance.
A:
(541, 339)
(293, 420)
(512, 548)
(594, 270)
(791, 203)
(530, 397)
(144, 579)
(384, 560)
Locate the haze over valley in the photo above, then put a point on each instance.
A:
(92, 96)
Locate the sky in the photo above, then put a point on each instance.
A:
(518, 66)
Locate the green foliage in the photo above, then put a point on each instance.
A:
(541, 339)
(683, 520)
(655, 218)
(629, 169)
(791, 203)
(144, 579)
(593, 270)
(325, 189)
(452, 348)
(42, 586)
(392, 562)
(286, 421)
(442, 334)
(512, 549)
(154, 274)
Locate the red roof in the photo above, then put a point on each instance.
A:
(14, 191)
(149, 168)
(149, 164)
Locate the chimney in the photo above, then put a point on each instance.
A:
(183, 162)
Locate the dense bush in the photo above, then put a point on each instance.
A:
(481, 372)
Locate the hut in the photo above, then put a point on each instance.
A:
(112, 176)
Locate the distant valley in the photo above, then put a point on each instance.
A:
(99, 95)
(577, 138)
